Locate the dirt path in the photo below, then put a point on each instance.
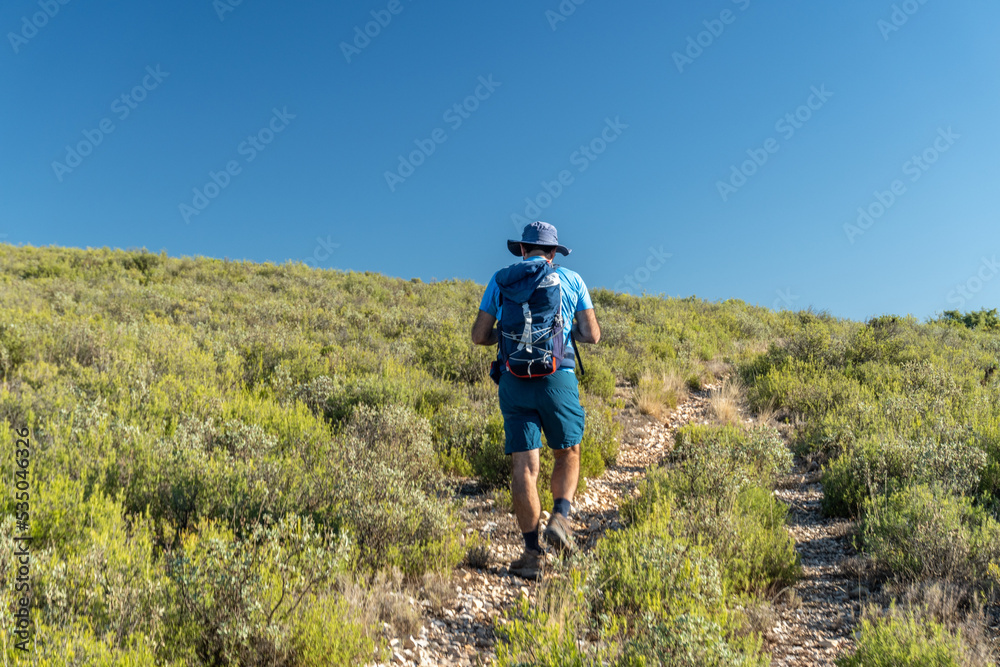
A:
(814, 625)
(810, 627)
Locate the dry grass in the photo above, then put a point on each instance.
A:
(753, 346)
(717, 368)
(725, 402)
(761, 617)
(789, 597)
(767, 415)
(674, 388)
(657, 395)
(382, 600)
(858, 568)
(502, 499)
(438, 589)
(955, 606)
(478, 553)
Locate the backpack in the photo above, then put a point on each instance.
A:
(532, 342)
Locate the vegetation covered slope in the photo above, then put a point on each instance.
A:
(224, 453)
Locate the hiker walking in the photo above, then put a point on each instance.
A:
(535, 303)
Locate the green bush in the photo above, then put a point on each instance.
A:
(691, 641)
(598, 379)
(396, 522)
(469, 441)
(201, 471)
(744, 530)
(751, 542)
(77, 644)
(712, 490)
(647, 570)
(445, 351)
(600, 438)
(905, 642)
(714, 459)
(545, 634)
(981, 319)
(325, 634)
(235, 600)
(880, 340)
(397, 435)
(111, 580)
(872, 468)
(926, 533)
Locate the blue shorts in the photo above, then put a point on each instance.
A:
(550, 404)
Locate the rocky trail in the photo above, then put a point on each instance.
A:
(810, 624)
(816, 618)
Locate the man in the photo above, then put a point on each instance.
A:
(549, 404)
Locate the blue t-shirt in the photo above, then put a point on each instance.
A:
(575, 298)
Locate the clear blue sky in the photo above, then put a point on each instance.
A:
(778, 239)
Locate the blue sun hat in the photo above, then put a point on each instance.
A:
(538, 233)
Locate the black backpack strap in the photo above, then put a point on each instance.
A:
(576, 353)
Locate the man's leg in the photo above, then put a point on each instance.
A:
(524, 490)
(525, 494)
(563, 419)
(566, 472)
(565, 475)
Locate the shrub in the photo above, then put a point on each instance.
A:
(336, 397)
(396, 522)
(598, 379)
(711, 490)
(878, 341)
(77, 644)
(728, 457)
(743, 530)
(235, 599)
(469, 440)
(111, 578)
(981, 319)
(478, 552)
(327, 634)
(397, 435)
(445, 350)
(905, 642)
(12, 349)
(600, 438)
(925, 532)
(546, 633)
(872, 468)
(202, 471)
(812, 343)
(64, 514)
(489, 461)
(692, 641)
(646, 569)
(751, 542)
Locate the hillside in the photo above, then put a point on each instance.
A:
(237, 463)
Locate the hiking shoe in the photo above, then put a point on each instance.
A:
(559, 533)
(529, 565)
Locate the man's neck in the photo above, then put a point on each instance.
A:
(537, 256)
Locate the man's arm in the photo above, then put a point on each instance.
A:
(586, 329)
(483, 332)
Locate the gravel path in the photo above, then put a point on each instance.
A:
(811, 626)
(815, 624)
